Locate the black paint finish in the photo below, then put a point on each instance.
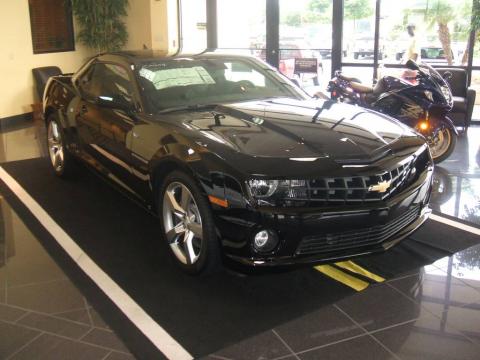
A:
(225, 145)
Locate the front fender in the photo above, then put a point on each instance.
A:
(445, 121)
(199, 165)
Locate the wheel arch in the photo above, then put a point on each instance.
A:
(49, 110)
(160, 168)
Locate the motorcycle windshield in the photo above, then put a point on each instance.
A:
(438, 82)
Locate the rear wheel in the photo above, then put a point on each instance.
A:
(442, 144)
(60, 158)
(187, 223)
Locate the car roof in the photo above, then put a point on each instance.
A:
(143, 56)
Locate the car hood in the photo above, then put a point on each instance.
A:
(298, 129)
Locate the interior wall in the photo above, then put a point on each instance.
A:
(139, 25)
(149, 22)
(164, 25)
(17, 59)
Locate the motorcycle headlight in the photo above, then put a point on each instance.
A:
(429, 95)
(273, 191)
(447, 93)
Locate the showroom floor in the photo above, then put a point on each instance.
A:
(419, 301)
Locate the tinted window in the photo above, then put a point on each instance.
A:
(173, 83)
(106, 81)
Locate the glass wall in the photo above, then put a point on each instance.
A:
(306, 33)
(441, 30)
(358, 31)
(305, 29)
(242, 27)
(475, 84)
(436, 30)
(194, 26)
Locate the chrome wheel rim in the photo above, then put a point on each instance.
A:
(182, 223)
(440, 143)
(55, 146)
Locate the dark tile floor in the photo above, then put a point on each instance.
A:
(457, 180)
(42, 313)
(431, 313)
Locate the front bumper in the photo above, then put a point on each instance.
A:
(293, 226)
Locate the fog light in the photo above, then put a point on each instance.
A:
(265, 241)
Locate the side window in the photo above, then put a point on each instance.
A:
(107, 81)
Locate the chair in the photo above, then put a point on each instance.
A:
(463, 97)
(41, 76)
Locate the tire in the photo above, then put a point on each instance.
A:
(446, 145)
(63, 163)
(442, 186)
(187, 224)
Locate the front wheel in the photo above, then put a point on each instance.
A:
(188, 226)
(60, 158)
(442, 144)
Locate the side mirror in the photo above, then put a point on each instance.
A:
(114, 102)
(447, 75)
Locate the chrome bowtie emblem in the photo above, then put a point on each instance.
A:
(381, 187)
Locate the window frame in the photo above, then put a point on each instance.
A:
(272, 37)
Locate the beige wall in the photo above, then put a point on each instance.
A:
(146, 23)
(164, 29)
(138, 24)
(17, 59)
(152, 23)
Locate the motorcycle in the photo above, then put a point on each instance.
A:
(420, 99)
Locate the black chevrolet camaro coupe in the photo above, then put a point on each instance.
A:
(238, 162)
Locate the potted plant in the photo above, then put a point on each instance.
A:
(101, 23)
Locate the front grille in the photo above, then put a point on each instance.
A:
(315, 244)
(354, 189)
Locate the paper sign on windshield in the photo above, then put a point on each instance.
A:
(162, 79)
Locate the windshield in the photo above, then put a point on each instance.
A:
(174, 83)
(430, 71)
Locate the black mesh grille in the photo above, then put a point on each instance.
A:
(362, 237)
(355, 189)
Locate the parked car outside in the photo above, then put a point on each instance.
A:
(363, 46)
(434, 55)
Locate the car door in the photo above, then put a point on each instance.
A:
(105, 119)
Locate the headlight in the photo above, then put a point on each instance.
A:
(429, 95)
(272, 190)
(447, 93)
(262, 188)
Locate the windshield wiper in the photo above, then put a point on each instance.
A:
(188, 108)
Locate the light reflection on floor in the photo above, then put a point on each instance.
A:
(457, 180)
